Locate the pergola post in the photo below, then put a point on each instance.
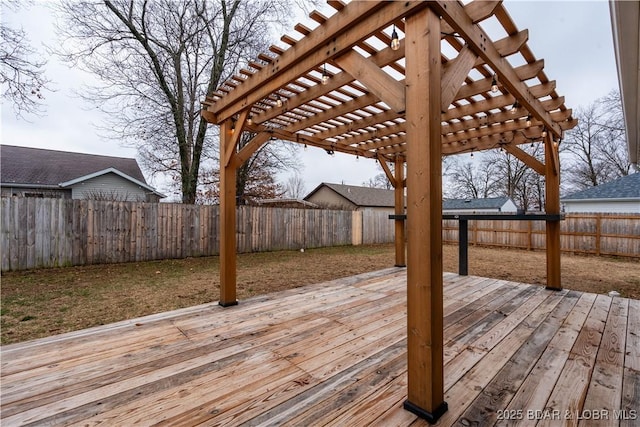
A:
(552, 206)
(399, 211)
(227, 217)
(424, 217)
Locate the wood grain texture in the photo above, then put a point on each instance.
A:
(332, 353)
(69, 231)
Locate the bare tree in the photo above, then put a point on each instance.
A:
(21, 69)
(113, 195)
(596, 145)
(498, 173)
(157, 60)
(295, 187)
(470, 180)
(256, 178)
(516, 180)
(379, 181)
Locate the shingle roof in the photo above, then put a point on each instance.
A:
(36, 166)
(488, 203)
(378, 197)
(361, 196)
(626, 187)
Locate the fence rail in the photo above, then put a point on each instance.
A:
(38, 233)
(597, 234)
(57, 232)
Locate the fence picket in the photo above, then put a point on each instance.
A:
(56, 232)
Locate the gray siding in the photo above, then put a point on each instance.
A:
(35, 192)
(110, 187)
(328, 198)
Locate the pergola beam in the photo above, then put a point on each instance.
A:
(454, 74)
(386, 88)
(524, 72)
(481, 43)
(252, 146)
(509, 45)
(344, 108)
(357, 125)
(385, 167)
(506, 46)
(526, 158)
(309, 140)
(478, 144)
(493, 103)
(381, 58)
(339, 34)
(461, 131)
(236, 133)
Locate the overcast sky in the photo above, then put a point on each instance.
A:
(573, 37)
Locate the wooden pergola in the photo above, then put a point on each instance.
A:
(399, 82)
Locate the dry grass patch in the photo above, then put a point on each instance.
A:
(46, 302)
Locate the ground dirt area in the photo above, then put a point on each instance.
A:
(45, 302)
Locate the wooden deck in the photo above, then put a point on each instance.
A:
(334, 354)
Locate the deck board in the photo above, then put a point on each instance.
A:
(335, 354)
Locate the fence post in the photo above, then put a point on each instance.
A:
(475, 232)
(356, 228)
(75, 232)
(598, 233)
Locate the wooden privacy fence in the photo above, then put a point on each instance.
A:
(59, 232)
(597, 234)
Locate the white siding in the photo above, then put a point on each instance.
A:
(572, 206)
(470, 211)
(509, 207)
(109, 187)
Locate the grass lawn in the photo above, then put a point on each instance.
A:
(45, 302)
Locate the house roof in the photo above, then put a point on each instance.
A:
(49, 168)
(626, 187)
(463, 204)
(379, 197)
(360, 196)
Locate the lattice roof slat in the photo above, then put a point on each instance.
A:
(361, 117)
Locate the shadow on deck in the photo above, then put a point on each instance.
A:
(335, 354)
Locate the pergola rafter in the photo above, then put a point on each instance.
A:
(442, 88)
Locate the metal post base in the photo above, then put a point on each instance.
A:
(227, 304)
(430, 417)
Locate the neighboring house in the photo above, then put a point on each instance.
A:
(619, 196)
(351, 197)
(35, 172)
(471, 206)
